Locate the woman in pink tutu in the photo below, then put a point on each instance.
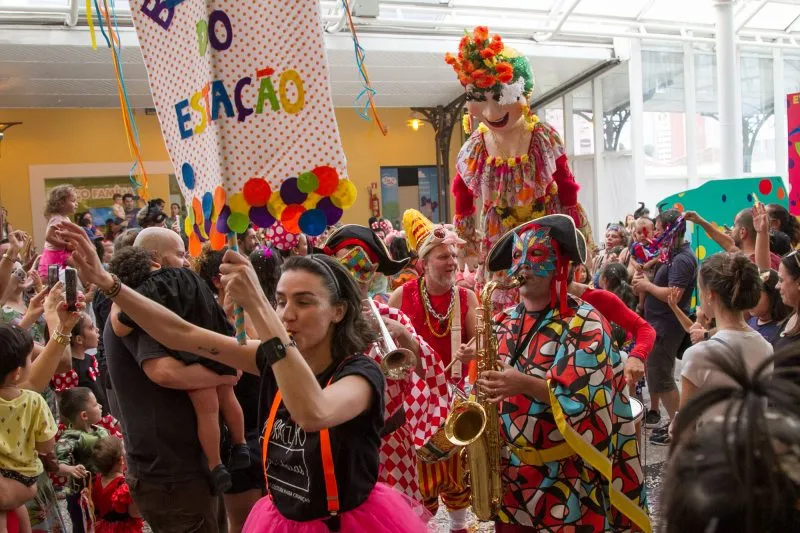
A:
(321, 398)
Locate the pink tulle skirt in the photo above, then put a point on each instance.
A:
(385, 510)
(52, 257)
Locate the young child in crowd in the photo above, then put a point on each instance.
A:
(81, 412)
(118, 209)
(27, 427)
(643, 234)
(61, 206)
(85, 370)
(115, 510)
(767, 316)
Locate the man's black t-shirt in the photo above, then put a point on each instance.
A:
(680, 272)
(160, 434)
(295, 473)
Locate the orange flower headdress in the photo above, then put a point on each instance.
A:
(487, 64)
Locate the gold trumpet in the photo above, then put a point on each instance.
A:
(396, 362)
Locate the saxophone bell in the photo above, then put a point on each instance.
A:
(466, 423)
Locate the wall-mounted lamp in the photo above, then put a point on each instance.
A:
(3, 127)
(416, 121)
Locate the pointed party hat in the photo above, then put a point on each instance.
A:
(417, 227)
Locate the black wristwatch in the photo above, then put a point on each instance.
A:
(273, 350)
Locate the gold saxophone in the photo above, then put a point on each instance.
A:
(476, 424)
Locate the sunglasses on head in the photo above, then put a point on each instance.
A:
(796, 258)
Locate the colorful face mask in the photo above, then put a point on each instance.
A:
(533, 249)
(359, 265)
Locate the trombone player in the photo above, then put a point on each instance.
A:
(566, 426)
(416, 392)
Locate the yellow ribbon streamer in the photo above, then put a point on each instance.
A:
(90, 21)
(599, 462)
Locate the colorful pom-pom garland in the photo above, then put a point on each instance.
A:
(307, 204)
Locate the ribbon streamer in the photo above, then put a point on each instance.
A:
(368, 92)
(90, 22)
(109, 16)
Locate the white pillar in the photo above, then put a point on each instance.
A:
(690, 96)
(726, 90)
(569, 124)
(781, 118)
(635, 85)
(599, 154)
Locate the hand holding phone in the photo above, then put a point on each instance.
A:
(71, 289)
(52, 276)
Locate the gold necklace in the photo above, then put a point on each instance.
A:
(427, 306)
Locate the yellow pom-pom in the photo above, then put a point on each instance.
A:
(345, 195)
(276, 205)
(312, 200)
(238, 204)
(524, 159)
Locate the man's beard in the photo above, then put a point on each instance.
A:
(444, 279)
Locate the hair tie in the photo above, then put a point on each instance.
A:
(327, 267)
(266, 251)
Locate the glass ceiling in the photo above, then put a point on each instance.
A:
(759, 22)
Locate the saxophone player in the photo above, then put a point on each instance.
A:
(444, 314)
(570, 461)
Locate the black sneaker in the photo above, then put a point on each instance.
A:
(661, 439)
(652, 419)
(220, 480)
(240, 457)
(661, 430)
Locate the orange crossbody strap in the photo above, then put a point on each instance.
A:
(331, 488)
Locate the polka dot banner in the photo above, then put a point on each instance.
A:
(243, 97)
(719, 201)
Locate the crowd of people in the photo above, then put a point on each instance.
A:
(135, 403)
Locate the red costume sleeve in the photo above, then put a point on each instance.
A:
(465, 200)
(567, 186)
(610, 306)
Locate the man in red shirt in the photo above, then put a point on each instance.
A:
(444, 315)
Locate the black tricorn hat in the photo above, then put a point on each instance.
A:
(355, 235)
(571, 243)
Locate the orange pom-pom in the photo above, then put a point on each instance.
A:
(328, 180)
(290, 217)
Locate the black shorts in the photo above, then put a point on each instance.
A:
(16, 476)
(252, 477)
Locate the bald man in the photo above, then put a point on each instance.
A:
(163, 452)
(166, 245)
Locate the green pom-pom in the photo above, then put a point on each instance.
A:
(307, 182)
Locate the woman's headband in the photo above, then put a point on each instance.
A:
(328, 268)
